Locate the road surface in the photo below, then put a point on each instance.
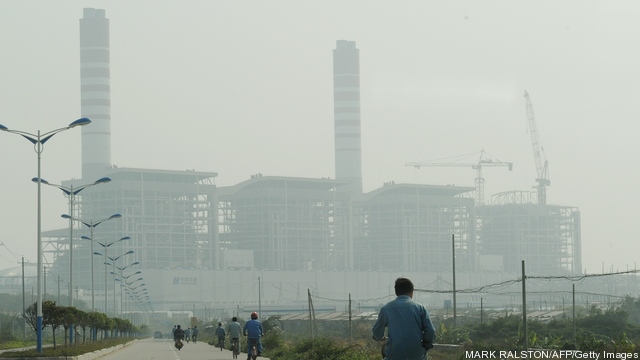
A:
(163, 349)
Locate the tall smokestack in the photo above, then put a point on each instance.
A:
(95, 93)
(346, 110)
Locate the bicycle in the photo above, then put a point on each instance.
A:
(194, 338)
(221, 343)
(235, 347)
(254, 349)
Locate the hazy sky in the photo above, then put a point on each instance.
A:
(245, 87)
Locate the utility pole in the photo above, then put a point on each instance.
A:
(574, 312)
(310, 312)
(453, 255)
(524, 310)
(350, 328)
(24, 318)
(259, 298)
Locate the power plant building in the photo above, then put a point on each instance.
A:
(413, 228)
(191, 234)
(169, 216)
(280, 223)
(516, 228)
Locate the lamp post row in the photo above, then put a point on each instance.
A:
(92, 224)
(106, 246)
(38, 140)
(71, 192)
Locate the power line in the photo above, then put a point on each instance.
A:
(507, 283)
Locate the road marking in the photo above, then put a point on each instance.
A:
(175, 351)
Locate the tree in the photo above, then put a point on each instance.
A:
(54, 317)
(68, 316)
(95, 321)
(30, 314)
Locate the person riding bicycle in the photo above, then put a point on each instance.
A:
(187, 334)
(253, 331)
(221, 334)
(234, 329)
(194, 334)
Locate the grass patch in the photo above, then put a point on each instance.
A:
(16, 344)
(62, 350)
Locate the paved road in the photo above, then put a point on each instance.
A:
(151, 349)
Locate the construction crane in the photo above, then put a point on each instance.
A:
(482, 163)
(542, 165)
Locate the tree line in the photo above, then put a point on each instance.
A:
(69, 317)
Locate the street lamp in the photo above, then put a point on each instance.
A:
(113, 267)
(71, 192)
(38, 141)
(135, 295)
(123, 282)
(92, 224)
(122, 269)
(106, 246)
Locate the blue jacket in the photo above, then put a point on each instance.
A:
(220, 332)
(253, 329)
(409, 325)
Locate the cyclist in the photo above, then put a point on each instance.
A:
(194, 334)
(187, 334)
(234, 329)
(253, 331)
(221, 334)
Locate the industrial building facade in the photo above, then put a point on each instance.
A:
(293, 224)
(169, 216)
(181, 220)
(546, 237)
(409, 228)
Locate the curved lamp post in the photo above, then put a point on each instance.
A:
(122, 278)
(125, 285)
(91, 225)
(113, 268)
(135, 295)
(106, 246)
(71, 192)
(38, 139)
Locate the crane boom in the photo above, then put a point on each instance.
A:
(479, 181)
(542, 166)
